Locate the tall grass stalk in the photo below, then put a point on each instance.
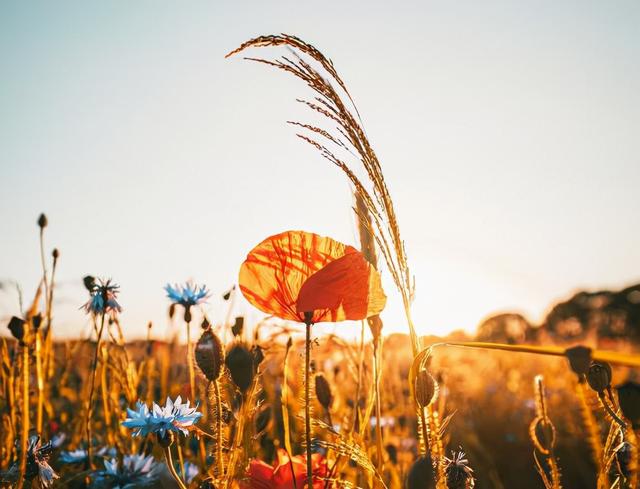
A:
(94, 369)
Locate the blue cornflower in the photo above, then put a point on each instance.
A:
(173, 416)
(191, 471)
(136, 471)
(80, 456)
(187, 295)
(103, 299)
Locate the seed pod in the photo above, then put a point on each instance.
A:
(89, 282)
(55, 253)
(579, 359)
(599, 376)
(205, 324)
(36, 321)
(16, 326)
(392, 451)
(210, 355)
(323, 392)
(240, 364)
(425, 388)
(421, 475)
(238, 326)
(172, 310)
(629, 397)
(258, 355)
(458, 473)
(42, 221)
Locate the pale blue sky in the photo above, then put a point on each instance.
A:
(509, 133)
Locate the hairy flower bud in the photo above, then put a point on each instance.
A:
(42, 221)
(629, 398)
(16, 326)
(240, 364)
(599, 376)
(238, 326)
(424, 388)
(210, 355)
(323, 392)
(421, 475)
(579, 359)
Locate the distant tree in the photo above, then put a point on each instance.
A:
(607, 314)
(511, 328)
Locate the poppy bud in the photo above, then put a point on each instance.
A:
(458, 473)
(42, 221)
(89, 282)
(55, 253)
(579, 359)
(16, 326)
(421, 475)
(205, 324)
(238, 326)
(323, 392)
(425, 388)
(240, 364)
(227, 294)
(210, 355)
(258, 355)
(629, 398)
(36, 321)
(263, 418)
(172, 310)
(599, 376)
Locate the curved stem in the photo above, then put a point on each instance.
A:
(307, 403)
(172, 469)
(94, 369)
(24, 440)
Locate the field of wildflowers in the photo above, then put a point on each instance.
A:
(260, 407)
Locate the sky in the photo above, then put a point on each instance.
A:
(508, 132)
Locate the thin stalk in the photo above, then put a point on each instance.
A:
(192, 372)
(219, 438)
(172, 469)
(376, 361)
(40, 381)
(94, 369)
(307, 402)
(360, 369)
(425, 433)
(24, 440)
(181, 460)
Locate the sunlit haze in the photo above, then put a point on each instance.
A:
(509, 135)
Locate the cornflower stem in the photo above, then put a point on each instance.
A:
(24, 440)
(192, 372)
(172, 469)
(218, 441)
(94, 370)
(181, 460)
(307, 402)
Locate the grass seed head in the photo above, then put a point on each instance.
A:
(323, 392)
(425, 388)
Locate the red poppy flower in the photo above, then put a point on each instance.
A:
(295, 272)
(288, 473)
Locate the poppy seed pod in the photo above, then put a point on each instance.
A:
(89, 282)
(323, 392)
(240, 364)
(579, 359)
(42, 221)
(16, 326)
(421, 475)
(55, 253)
(238, 326)
(599, 376)
(210, 355)
(629, 398)
(424, 388)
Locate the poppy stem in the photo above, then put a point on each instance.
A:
(307, 403)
